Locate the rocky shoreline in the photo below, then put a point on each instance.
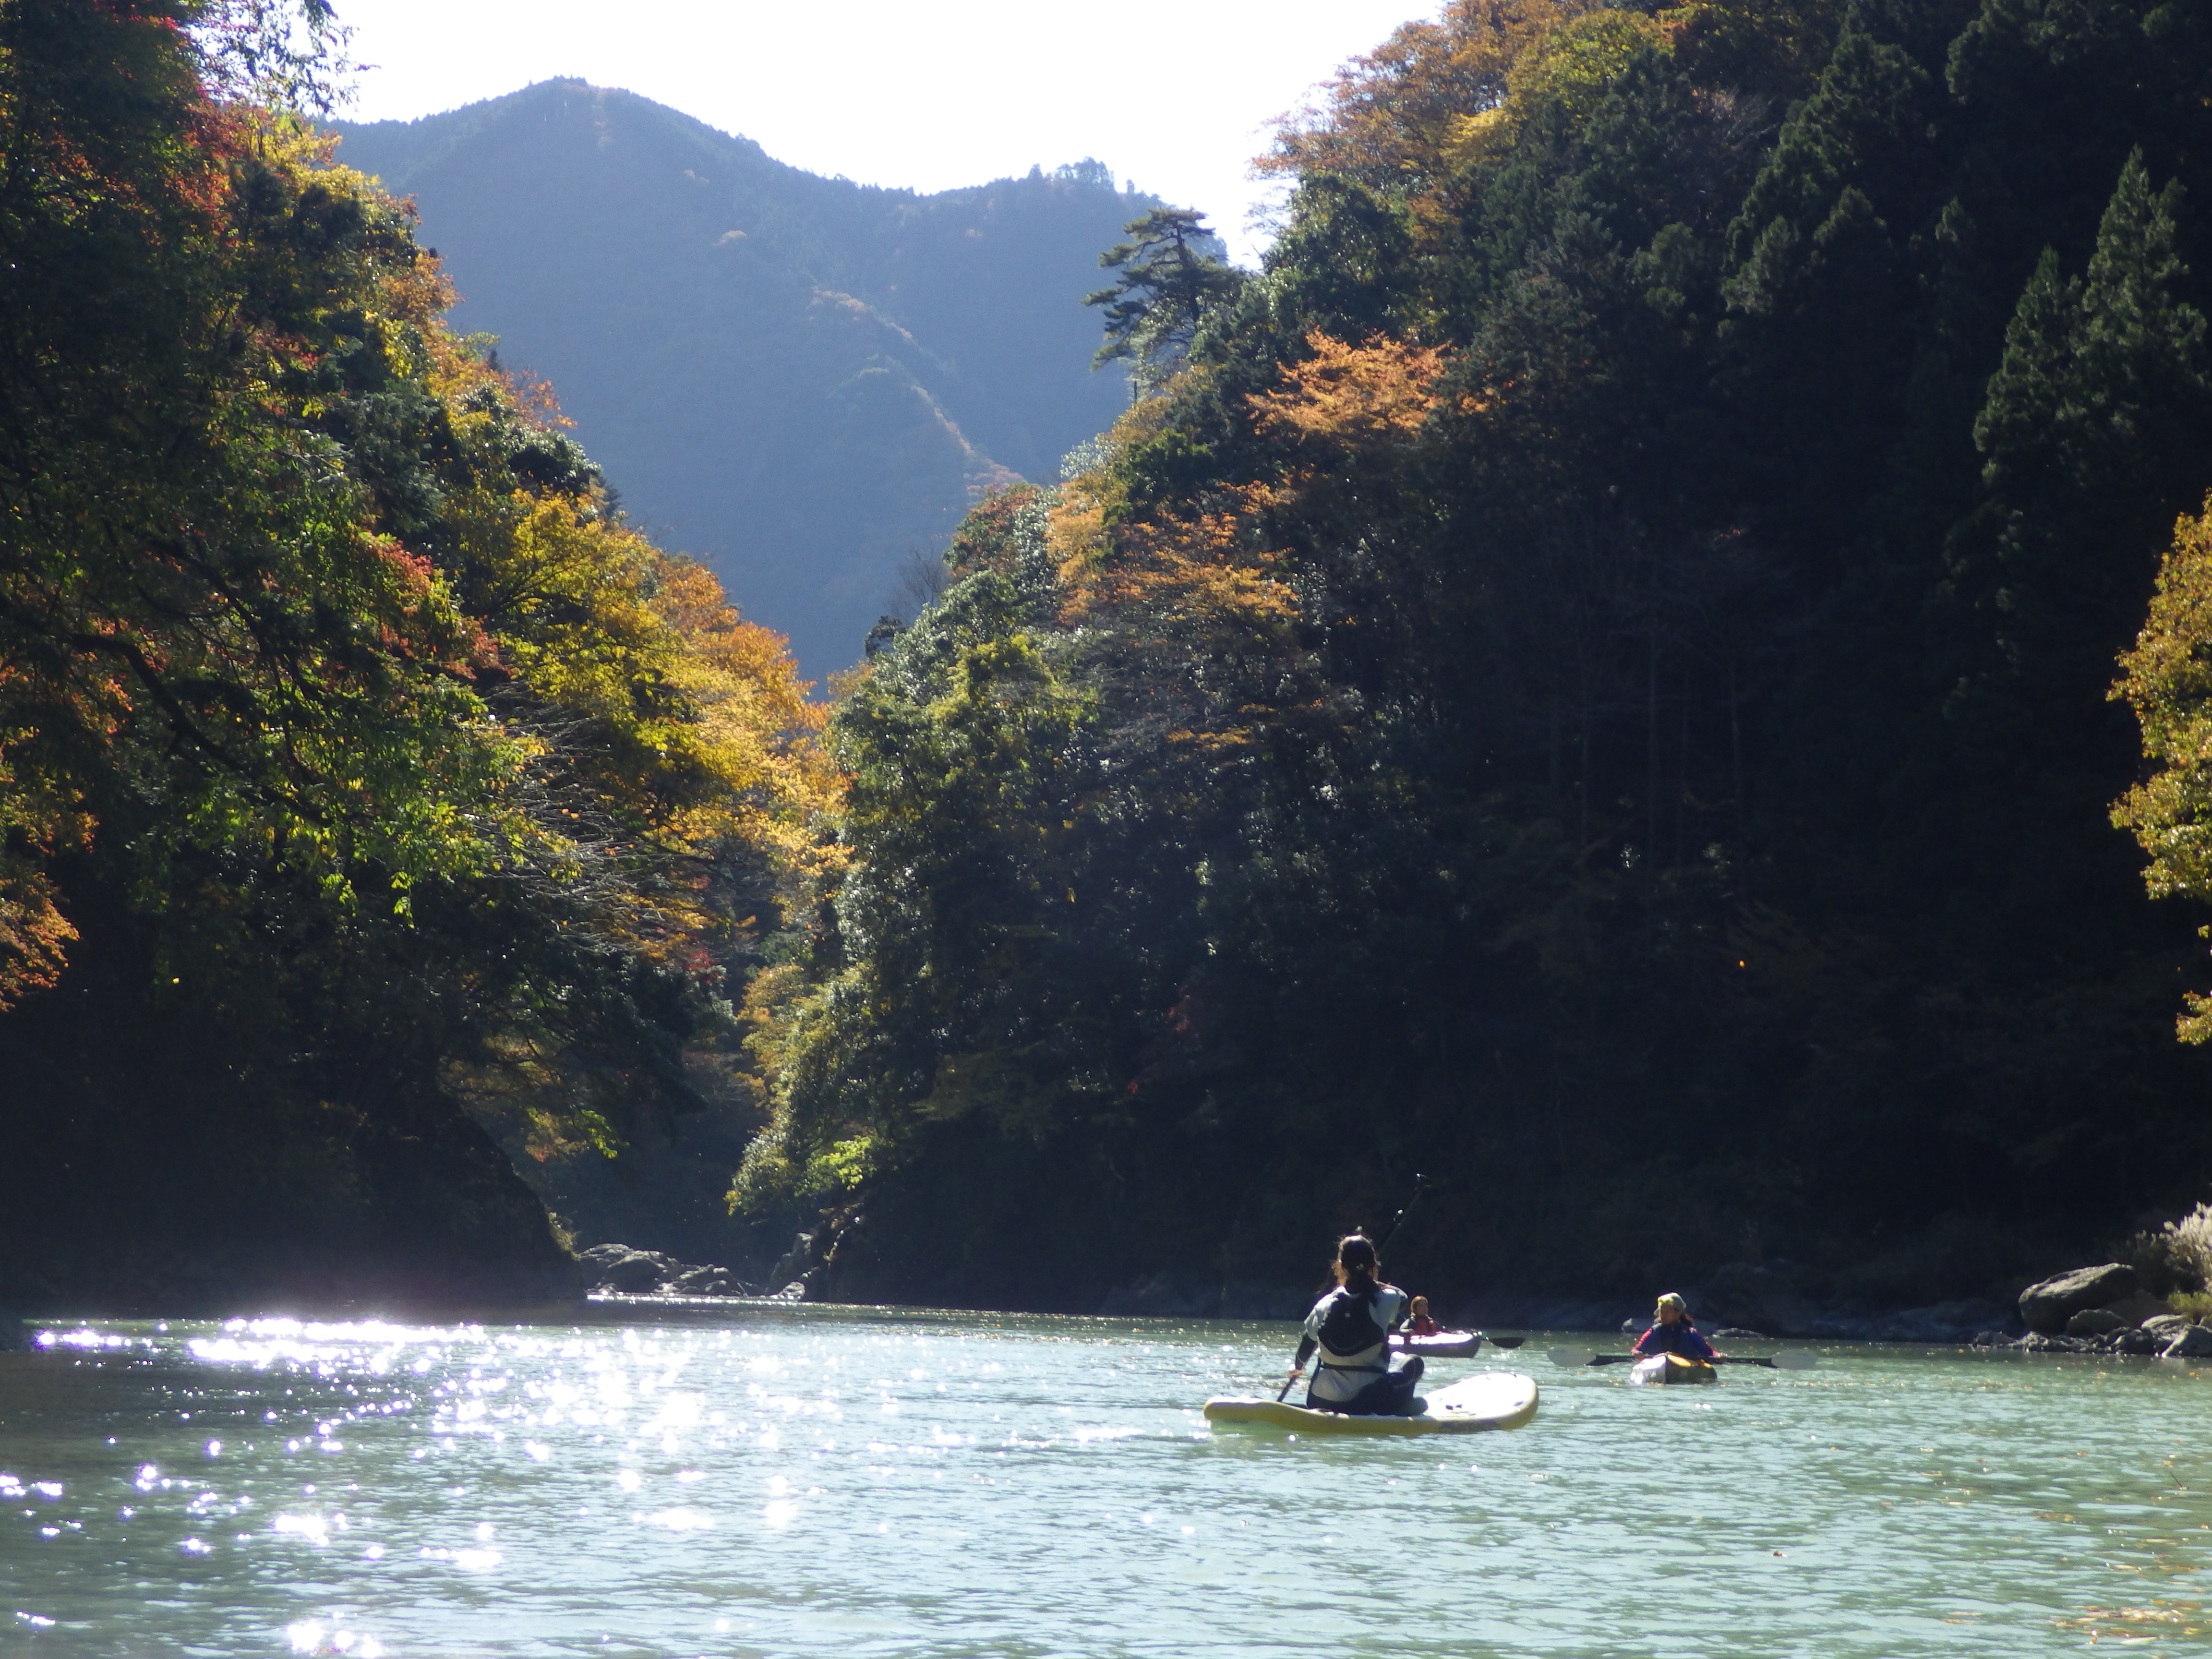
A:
(2098, 1309)
(2102, 1309)
(2093, 1309)
(1762, 1299)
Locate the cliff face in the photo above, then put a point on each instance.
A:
(802, 380)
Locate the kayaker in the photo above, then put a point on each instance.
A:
(1672, 1332)
(1349, 1328)
(1418, 1322)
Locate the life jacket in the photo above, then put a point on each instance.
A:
(1350, 1326)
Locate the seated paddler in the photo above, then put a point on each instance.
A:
(1672, 1332)
(1349, 1329)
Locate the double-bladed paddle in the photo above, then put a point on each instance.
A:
(1789, 1359)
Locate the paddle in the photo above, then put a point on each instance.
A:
(1790, 1359)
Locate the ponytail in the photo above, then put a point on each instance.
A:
(1357, 1266)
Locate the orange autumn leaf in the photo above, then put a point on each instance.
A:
(1358, 397)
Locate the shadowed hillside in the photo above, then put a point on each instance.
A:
(801, 379)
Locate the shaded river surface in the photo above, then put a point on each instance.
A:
(856, 1482)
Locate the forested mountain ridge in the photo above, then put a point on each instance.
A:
(365, 776)
(1591, 685)
(802, 380)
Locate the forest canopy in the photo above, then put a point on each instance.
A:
(1586, 684)
(359, 764)
(1618, 696)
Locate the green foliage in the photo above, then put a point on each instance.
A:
(358, 765)
(1590, 687)
(1170, 276)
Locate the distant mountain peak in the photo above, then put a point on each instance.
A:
(804, 380)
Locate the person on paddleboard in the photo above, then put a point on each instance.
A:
(1350, 1329)
(1672, 1332)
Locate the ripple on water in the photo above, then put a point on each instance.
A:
(815, 1481)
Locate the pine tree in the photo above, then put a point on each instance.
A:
(1171, 274)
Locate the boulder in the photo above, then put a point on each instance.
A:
(706, 1281)
(2046, 1307)
(634, 1274)
(2194, 1343)
(2095, 1322)
(2167, 1326)
(2136, 1340)
(2135, 1310)
(1730, 1334)
(1991, 1339)
(600, 1255)
(2038, 1342)
(808, 1251)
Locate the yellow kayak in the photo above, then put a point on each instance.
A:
(1498, 1399)
(1670, 1368)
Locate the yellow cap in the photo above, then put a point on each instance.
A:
(1671, 1300)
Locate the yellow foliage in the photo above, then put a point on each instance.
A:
(1358, 398)
(2167, 678)
(1394, 114)
(1203, 571)
(754, 728)
(1076, 525)
(1569, 67)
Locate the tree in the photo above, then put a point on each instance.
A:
(1595, 672)
(1171, 275)
(358, 763)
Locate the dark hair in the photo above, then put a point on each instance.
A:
(1357, 1264)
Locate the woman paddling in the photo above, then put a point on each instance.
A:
(1672, 1332)
(1351, 1328)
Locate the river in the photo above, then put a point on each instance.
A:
(817, 1481)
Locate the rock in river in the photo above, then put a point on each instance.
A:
(2045, 1308)
(2194, 1343)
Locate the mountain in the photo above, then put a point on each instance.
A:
(802, 380)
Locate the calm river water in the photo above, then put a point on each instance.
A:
(826, 1481)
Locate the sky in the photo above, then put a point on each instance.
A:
(1175, 95)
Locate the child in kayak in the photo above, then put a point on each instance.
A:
(1418, 1323)
(1350, 1328)
(1672, 1332)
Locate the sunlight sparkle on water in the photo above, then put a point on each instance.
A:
(487, 1489)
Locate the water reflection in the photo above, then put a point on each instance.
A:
(801, 1481)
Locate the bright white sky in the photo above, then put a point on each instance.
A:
(1177, 95)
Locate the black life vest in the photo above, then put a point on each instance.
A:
(1350, 1326)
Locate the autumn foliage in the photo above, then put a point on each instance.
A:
(358, 761)
(1588, 683)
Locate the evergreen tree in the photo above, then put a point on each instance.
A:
(1171, 274)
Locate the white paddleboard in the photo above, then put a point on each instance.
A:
(1495, 1400)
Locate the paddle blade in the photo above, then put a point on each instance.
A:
(1794, 1359)
(1573, 1357)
